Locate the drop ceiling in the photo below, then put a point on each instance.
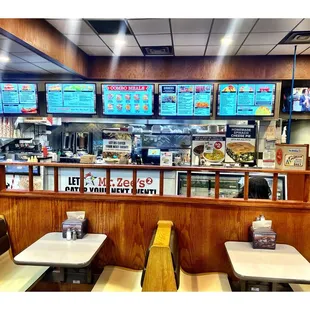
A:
(24, 61)
(188, 37)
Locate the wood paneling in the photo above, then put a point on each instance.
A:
(199, 68)
(202, 229)
(43, 37)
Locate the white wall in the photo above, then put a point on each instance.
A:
(300, 132)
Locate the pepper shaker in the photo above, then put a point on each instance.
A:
(74, 235)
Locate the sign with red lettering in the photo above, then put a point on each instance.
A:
(121, 181)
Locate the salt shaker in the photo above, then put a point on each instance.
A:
(68, 234)
(74, 235)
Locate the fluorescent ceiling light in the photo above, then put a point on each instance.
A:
(226, 41)
(4, 58)
(120, 42)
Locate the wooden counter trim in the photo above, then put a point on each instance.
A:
(180, 200)
(275, 187)
(30, 178)
(158, 168)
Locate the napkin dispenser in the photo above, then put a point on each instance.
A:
(262, 235)
(76, 221)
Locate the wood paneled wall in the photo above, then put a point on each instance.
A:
(199, 68)
(202, 229)
(44, 38)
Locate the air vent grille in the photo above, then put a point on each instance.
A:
(297, 37)
(157, 50)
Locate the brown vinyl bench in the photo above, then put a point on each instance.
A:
(15, 278)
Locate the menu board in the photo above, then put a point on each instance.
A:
(185, 100)
(18, 98)
(246, 99)
(131, 100)
(71, 98)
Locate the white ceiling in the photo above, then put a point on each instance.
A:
(22, 60)
(249, 36)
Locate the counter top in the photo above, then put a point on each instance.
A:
(153, 167)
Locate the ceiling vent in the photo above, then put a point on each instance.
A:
(157, 50)
(297, 37)
(114, 26)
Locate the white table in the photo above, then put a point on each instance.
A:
(55, 251)
(282, 265)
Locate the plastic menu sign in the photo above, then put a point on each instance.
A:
(292, 156)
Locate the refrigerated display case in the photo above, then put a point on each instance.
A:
(203, 184)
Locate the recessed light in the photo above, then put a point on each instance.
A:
(120, 42)
(226, 41)
(4, 58)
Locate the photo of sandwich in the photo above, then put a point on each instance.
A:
(202, 105)
(136, 97)
(137, 107)
(263, 111)
(241, 151)
(119, 98)
(55, 87)
(127, 97)
(229, 89)
(145, 97)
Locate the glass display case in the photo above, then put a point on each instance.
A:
(203, 184)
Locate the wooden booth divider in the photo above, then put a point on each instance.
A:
(203, 224)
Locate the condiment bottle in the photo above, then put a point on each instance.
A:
(74, 235)
(68, 234)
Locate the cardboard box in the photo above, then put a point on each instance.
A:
(88, 159)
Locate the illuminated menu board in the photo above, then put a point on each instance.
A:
(185, 100)
(246, 99)
(131, 100)
(18, 98)
(71, 98)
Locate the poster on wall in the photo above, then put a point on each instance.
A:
(240, 144)
(120, 181)
(21, 182)
(115, 143)
(208, 149)
(292, 156)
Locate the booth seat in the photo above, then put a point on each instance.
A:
(162, 271)
(15, 278)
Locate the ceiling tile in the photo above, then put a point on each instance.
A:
(2, 37)
(304, 25)
(13, 59)
(288, 49)
(154, 40)
(233, 25)
(149, 26)
(306, 52)
(6, 66)
(96, 50)
(27, 67)
(221, 50)
(49, 66)
(12, 47)
(109, 39)
(190, 39)
(255, 49)
(189, 50)
(237, 39)
(91, 40)
(71, 26)
(31, 57)
(264, 38)
(276, 24)
(189, 25)
(127, 51)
